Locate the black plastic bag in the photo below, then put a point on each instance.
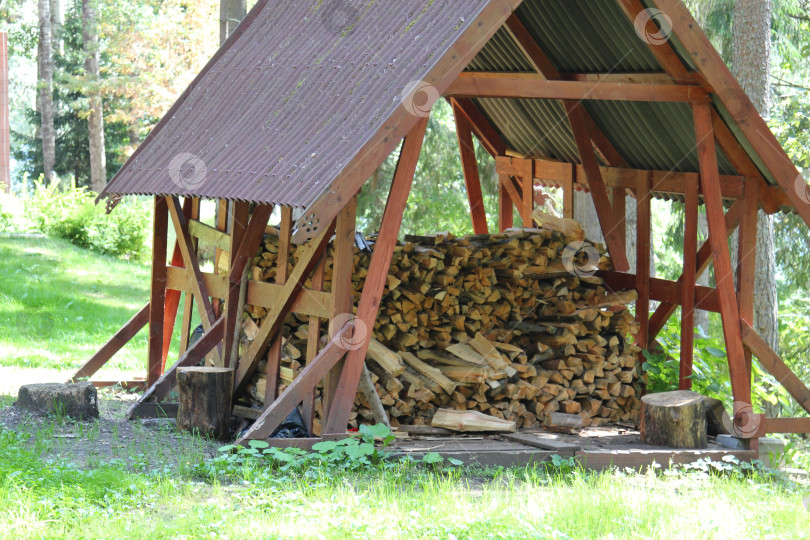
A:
(293, 427)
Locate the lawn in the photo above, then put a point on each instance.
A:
(60, 303)
(114, 479)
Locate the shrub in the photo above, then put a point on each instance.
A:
(71, 214)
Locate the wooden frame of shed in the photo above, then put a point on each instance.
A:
(732, 164)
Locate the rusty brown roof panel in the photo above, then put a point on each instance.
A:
(294, 96)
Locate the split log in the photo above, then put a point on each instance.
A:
(205, 400)
(674, 419)
(469, 421)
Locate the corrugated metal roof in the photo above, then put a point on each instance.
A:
(293, 97)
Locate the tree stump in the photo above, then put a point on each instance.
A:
(205, 400)
(674, 419)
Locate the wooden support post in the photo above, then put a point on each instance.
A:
(342, 302)
(309, 256)
(702, 261)
(282, 268)
(568, 194)
(514, 189)
(239, 223)
(526, 168)
(188, 300)
(747, 258)
(313, 347)
(222, 216)
(483, 129)
(472, 178)
(710, 181)
(619, 204)
(115, 344)
(172, 302)
(506, 215)
(643, 230)
(375, 280)
(196, 279)
(158, 294)
(688, 282)
(615, 242)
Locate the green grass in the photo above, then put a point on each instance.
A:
(42, 499)
(60, 303)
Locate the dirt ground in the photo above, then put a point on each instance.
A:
(139, 444)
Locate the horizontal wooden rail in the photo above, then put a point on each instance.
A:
(663, 290)
(513, 86)
(311, 303)
(209, 235)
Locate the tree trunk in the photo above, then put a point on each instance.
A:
(701, 316)
(674, 419)
(45, 85)
(95, 121)
(56, 26)
(231, 13)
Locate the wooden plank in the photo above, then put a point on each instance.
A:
(538, 441)
(729, 311)
(747, 258)
(516, 197)
(516, 86)
(188, 299)
(643, 234)
(198, 288)
(131, 385)
(723, 83)
(615, 242)
(172, 300)
(663, 290)
(376, 278)
(656, 38)
(472, 179)
(776, 367)
(115, 344)
(787, 425)
(313, 346)
(297, 391)
(688, 280)
(209, 235)
(309, 257)
(193, 356)
(601, 460)
(341, 302)
(282, 267)
(526, 182)
(240, 214)
(618, 203)
(483, 128)
(702, 262)
(312, 303)
(506, 216)
(158, 290)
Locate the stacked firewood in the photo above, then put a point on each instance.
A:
(514, 325)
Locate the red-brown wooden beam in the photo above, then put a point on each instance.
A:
(747, 258)
(198, 287)
(729, 310)
(702, 262)
(313, 346)
(506, 216)
(529, 86)
(375, 280)
(157, 299)
(610, 229)
(282, 268)
(188, 300)
(115, 344)
(662, 290)
(472, 178)
(483, 128)
(341, 297)
(172, 302)
(688, 281)
(568, 197)
(643, 233)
